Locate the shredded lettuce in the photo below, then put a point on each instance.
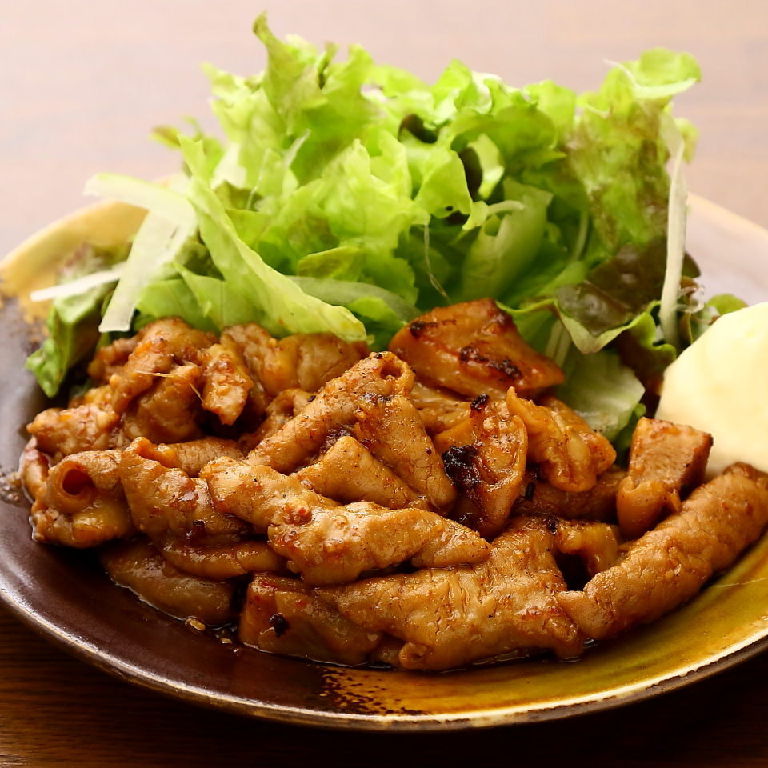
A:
(348, 197)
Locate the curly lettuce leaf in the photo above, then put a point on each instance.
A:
(348, 173)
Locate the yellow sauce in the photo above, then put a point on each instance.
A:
(720, 385)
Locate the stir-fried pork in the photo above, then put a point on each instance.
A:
(489, 469)
(570, 452)
(348, 471)
(356, 499)
(283, 616)
(329, 543)
(669, 564)
(666, 461)
(598, 503)
(453, 616)
(473, 349)
(140, 567)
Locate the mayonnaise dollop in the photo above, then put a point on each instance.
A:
(720, 385)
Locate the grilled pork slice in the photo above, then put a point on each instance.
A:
(160, 347)
(666, 461)
(439, 409)
(570, 452)
(473, 349)
(670, 563)
(391, 429)
(282, 615)
(334, 407)
(489, 469)
(329, 543)
(140, 567)
(177, 514)
(80, 501)
(448, 617)
(302, 361)
(348, 471)
(598, 503)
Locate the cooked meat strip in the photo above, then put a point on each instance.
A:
(669, 564)
(490, 469)
(570, 452)
(283, 616)
(348, 471)
(169, 410)
(301, 361)
(167, 504)
(224, 561)
(110, 359)
(255, 494)
(474, 349)
(598, 503)
(333, 407)
(161, 346)
(458, 435)
(666, 461)
(334, 546)
(34, 469)
(391, 429)
(439, 409)
(226, 382)
(99, 396)
(280, 411)
(597, 544)
(140, 567)
(61, 432)
(82, 503)
(329, 543)
(449, 617)
(190, 457)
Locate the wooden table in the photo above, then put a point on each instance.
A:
(82, 83)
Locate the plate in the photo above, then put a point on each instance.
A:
(65, 596)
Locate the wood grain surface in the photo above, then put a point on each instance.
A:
(82, 83)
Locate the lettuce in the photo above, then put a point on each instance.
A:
(348, 197)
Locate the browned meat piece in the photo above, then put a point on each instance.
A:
(168, 412)
(191, 457)
(596, 544)
(348, 471)
(598, 503)
(449, 617)
(439, 409)
(161, 346)
(222, 562)
(34, 469)
(489, 469)
(669, 564)
(166, 504)
(302, 361)
(254, 494)
(140, 567)
(82, 504)
(474, 349)
(335, 406)
(283, 616)
(334, 546)
(110, 359)
(71, 430)
(226, 382)
(570, 452)
(329, 543)
(666, 461)
(280, 411)
(391, 429)
(98, 396)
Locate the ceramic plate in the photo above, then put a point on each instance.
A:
(64, 594)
